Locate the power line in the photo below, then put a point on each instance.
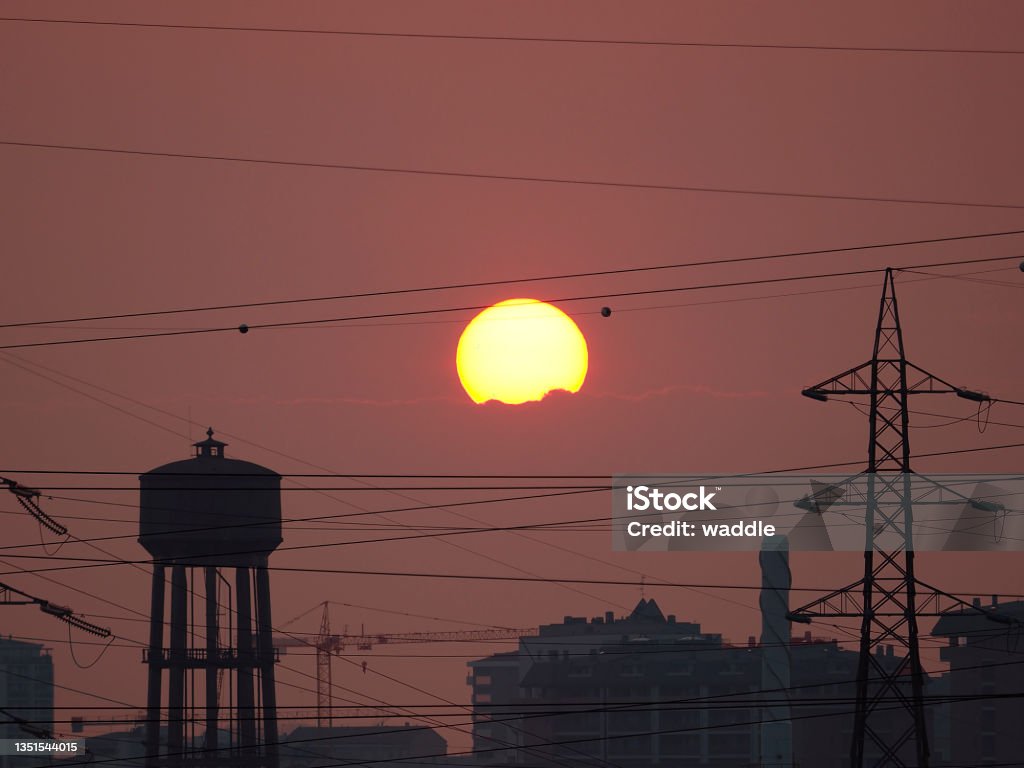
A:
(597, 525)
(515, 38)
(555, 710)
(683, 652)
(473, 503)
(481, 176)
(579, 313)
(476, 308)
(444, 576)
(564, 742)
(579, 525)
(513, 281)
(965, 278)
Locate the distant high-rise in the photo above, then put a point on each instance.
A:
(26, 688)
(648, 691)
(984, 683)
(202, 516)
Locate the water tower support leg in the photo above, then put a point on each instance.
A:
(156, 670)
(212, 659)
(266, 651)
(246, 698)
(176, 683)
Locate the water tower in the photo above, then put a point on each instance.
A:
(201, 518)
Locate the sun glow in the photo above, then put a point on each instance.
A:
(519, 350)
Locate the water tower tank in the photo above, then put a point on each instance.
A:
(210, 510)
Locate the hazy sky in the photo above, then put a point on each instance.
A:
(676, 383)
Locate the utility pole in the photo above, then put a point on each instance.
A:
(889, 598)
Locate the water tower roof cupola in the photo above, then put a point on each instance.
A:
(209, 447)
(210, 509)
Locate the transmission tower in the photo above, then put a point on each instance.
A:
(889, 598)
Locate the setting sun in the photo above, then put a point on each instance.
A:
(519, 350)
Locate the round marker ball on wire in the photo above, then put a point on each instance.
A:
(243, 328)
(606, 311)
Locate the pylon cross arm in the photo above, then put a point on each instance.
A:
(858, 381)
(845, 602)
(928, 383)
(855, 381)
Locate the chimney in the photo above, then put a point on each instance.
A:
(609, 617)
(751, 641)
(776, 735)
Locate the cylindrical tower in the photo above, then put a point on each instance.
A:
(776, 728)
(198, 518)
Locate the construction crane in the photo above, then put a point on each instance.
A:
(328, 644)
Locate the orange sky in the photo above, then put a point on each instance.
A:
(701, 387)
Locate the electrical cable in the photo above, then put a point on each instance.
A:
(476, 308)
(516, 281)
(139, 25)
(482, 176)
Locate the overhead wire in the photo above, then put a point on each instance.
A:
(831, 713)
(520, 280)
(601, 524)
(574, 491)
(504, 38)
(515, 178)
(685, 653)
(469, 308)
(576, 313)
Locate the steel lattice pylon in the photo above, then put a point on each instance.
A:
(889, 598)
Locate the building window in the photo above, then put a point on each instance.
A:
(988, 719)
(988, 745)
(632, 670)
